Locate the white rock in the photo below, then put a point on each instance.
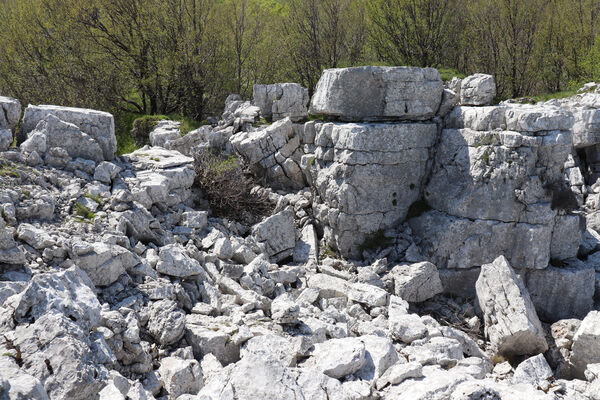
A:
(106, 171)
(398, 373)
(380, 355)
(437, 351)
(97, 124)
(104, 263)
(163, 132)
(195, 219)
(338, 357)
(369, 93)
(416, 282)
(477, 90)
(534, 371)
(6, 139)
(281, 100)
(11, 113)
(174, 261)
(180, 376)
(166, 322)
(223, 249)
(407, 327)
(270, 348)
(284, 309)
(364, 293)
(586, 344)
(278, 234)
(511, 323)
(37, 238)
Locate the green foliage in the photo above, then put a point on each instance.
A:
(376, 241)
(97, 199)
(557, 95)
(449, 73)
(82, 213)
(7, 170)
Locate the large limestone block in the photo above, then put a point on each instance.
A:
(366, 176)
(586, 114)
(97, 124)
(511, 323)
(476, 118)
(561, 293)
(375, 93)
(11, 112)
(499, 175)
(64, 135)
(417, 282)
(462, 243)
(477, 90)
(281, 100)
(586, 344)
(104, 263)
(338, 357)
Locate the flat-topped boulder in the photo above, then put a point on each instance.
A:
(378, 93)
(99, 125)
(11, 112)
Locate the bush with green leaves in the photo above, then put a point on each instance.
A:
(228, 188)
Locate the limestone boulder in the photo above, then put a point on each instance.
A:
(11, 113)
(104, 263)
(477, 90)
(278, 234)
(6, 139)
(586, 344)
(280, 100)
(180, 376)
(511, 323)
(562, 292)
(418, 282)
(99, 125)
(165, 131)
(378, 93)
(338, 357)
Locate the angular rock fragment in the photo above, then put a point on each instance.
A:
(375, 93)
(174, 261)
(99, 125)
(180, 376)
(366, 177)
(477, 90)
(416, 283)
(104, 263)
(278, 233)
(511, 323)
(10, 113)
(338, 357)
(586, 344)
(281, 100)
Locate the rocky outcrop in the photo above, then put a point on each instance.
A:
(378, 93)
(281, 100)
(511, 323)
(11, 113)
(366, 176)
(100, 126)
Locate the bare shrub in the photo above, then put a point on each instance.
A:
(228, 188)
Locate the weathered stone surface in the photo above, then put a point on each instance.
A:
(406, 327)
(566, 236)
(416, 282)
(476, 118)
(11, 113)
(278, 234)
(162, 177)
(372, 93)
(105, 172)
(461, 243)
(104, 263)
(511, 323)
(9, 252)
(538, 118)
(400, 372)
(284, 309)
(63, 135)
(270, 348)
(534, 371)
(366, 176)
(6, 139)
(166, 322)
(97, 124)
(586, 344)
(442, 351)
(338, 357)
(586, 113)
(212, 336)
(477, 90)
(273, 152)
(281, 100)
(180, 376)
(37, 238)
(174, 261)
(379, 354)
(163, 132)
(562, 292)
